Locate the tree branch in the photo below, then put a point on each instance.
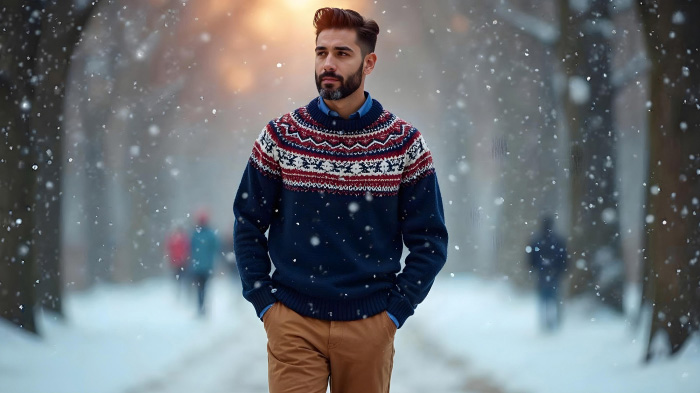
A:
(621, 6)
(647, 17)
(637, 65)
(168, 91)
(81, 20)
(541, 30)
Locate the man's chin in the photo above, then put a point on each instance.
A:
(331, 95)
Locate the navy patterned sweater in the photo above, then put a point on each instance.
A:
(330, 202)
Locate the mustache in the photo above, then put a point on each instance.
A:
(331, 75)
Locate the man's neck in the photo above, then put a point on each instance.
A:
(348, 105)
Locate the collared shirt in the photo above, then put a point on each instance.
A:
(360, 112)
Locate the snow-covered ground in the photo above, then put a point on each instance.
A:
(496, 329)
(470, 335)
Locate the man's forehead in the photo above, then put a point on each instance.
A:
(330, 38)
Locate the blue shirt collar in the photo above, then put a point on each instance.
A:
(360, 112)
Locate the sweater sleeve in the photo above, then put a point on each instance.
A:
(253, 208)
(423, 230)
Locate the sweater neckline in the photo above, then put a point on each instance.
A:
(350, 126)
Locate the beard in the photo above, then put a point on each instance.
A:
(346, 87)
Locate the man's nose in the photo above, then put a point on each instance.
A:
(329, 64)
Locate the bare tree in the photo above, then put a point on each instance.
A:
(673, 208)
(61, 31)
(94, 110)
(578, 85)
(37, 40)
(529, 144)
(19, 44)
(586, 53)
(142, 68)
(461, 164)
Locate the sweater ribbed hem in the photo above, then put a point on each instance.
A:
(333, 310)
(261, 298)
(340, 124)
(400, 308)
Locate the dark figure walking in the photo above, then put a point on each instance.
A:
(204, 246)
(548, 260)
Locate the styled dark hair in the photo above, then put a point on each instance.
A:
(338, 18)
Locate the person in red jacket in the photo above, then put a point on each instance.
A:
(178, 252)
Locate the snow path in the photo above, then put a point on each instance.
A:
(470, 335)
(237, 362)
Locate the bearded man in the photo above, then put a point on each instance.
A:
(331, 194)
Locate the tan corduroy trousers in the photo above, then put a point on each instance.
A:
(304, 353)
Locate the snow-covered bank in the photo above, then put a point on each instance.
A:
(496, 329)
(114, 338)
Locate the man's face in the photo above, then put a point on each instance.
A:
(339, 63)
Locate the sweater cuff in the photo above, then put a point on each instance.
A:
(400, 308)
(261, 298)
(262, 313)
(393, 319)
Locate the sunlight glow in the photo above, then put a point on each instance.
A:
(236, 32)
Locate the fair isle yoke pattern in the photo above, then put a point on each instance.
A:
(309, 157)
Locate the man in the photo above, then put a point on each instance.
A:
(548, 260)
(337, 185)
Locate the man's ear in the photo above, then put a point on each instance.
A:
(370, 62)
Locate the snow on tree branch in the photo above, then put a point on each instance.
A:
(543, 31)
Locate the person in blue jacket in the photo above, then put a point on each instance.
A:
(204, 246)
(548, 260)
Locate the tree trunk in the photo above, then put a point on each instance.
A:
(100, 256)
(527, 148)
(18, 43)
(595, 250)
(62, 31)
(673, 210)
(37, 41)
(16, 219)
(457, 129)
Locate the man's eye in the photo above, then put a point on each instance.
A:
(320, 53)
(342, 54)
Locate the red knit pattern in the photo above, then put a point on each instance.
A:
(378, 159)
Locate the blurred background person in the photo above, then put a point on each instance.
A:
(204, 248)
(178, 251)
(548, 261)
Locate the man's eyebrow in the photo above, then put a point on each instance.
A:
(343, 48)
